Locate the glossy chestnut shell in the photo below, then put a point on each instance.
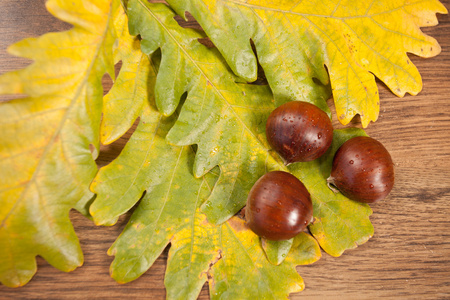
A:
(299, 131)
(362, 170)
(278, 206)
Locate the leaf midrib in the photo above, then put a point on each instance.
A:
(284, 11)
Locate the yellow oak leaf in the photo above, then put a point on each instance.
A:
(45, 159)
(299, 40)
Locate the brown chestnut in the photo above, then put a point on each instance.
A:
(278, 206)
(362, 170)
(299, 131)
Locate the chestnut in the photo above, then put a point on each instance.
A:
(278, 206)
(362, 170)
(299, 131)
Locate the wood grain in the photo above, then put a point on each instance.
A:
(409, 255)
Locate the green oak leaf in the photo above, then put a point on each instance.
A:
(169, 212)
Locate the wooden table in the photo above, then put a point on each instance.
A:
(409, 255)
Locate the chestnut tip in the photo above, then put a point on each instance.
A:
(287, 162)
(331, 186)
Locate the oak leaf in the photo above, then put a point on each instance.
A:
(297, 41)
(169, 210)
(45, 159)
